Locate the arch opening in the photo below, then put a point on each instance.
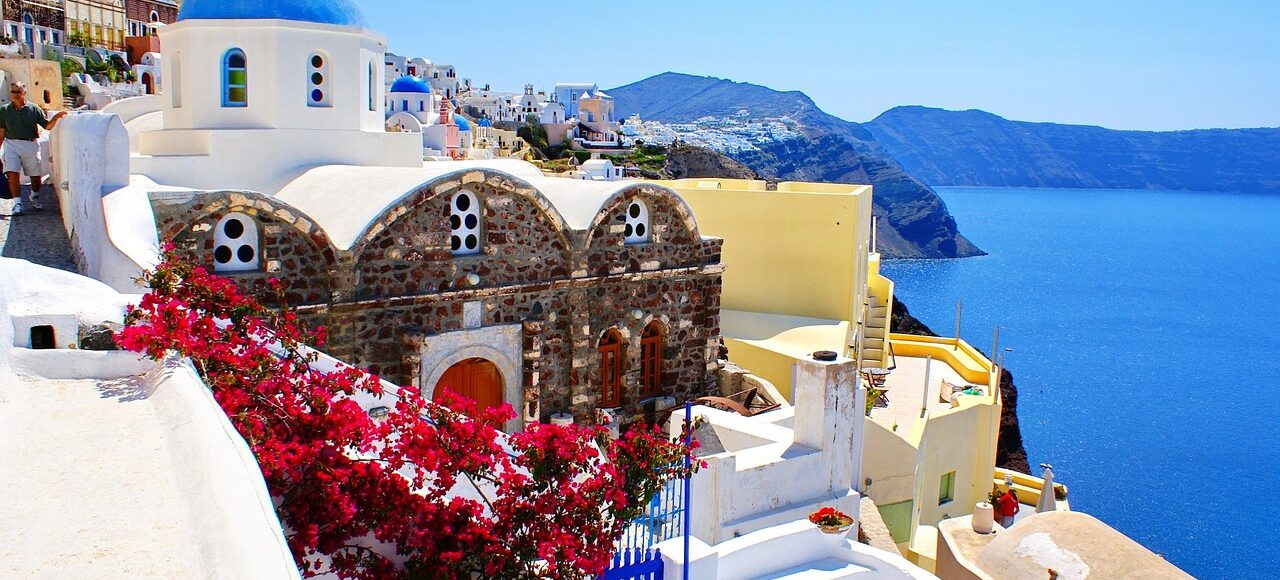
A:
(477, 379)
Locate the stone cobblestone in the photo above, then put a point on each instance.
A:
(37, 236)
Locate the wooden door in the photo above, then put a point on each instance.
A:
(476, 379)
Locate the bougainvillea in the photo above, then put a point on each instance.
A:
(431, 489)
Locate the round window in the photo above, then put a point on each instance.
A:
(637, 228)
(464, 223)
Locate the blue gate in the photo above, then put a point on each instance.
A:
(635, 564)
(667, 517)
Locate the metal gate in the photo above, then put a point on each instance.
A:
(667, 517)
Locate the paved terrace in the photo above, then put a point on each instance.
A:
(906, 391)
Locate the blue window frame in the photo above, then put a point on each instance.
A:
(373, 92)
(235, 79)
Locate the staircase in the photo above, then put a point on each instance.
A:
(876, 333)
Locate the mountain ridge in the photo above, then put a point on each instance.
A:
(914, 220)
(979, 148)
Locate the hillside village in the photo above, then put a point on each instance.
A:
(500, 246)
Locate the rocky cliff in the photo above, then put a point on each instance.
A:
(685, 161)
(978, 148)
(1010, 452)
(914, 221)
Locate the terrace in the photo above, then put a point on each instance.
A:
(928, 370)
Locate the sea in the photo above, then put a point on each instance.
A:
(1145, 337)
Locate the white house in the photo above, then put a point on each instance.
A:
(443, 78)
(396, 66)
(553, 112)
(528, 104)
(600, 170)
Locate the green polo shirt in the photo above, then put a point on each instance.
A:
(20, 123)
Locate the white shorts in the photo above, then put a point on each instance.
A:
(22, 157)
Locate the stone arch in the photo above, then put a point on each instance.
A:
(500, 345)
(450, 182)
(657, 198)
(294, 249)
(406, 250)
(674, 243)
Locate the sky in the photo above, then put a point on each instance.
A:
(1123, 64)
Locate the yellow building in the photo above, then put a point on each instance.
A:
(801, 275)
(101, 22)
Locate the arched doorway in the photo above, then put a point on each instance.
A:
(475, 378)
(148, 84)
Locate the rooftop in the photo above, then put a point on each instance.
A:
(337, 12)
(115, 467)
(106, 505)
(1073, 544)
(906, 391)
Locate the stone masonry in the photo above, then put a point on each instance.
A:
(385, 300)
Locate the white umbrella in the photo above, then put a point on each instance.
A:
(1048, 502)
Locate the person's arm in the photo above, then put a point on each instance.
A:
(54, 121)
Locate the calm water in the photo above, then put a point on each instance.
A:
(1146, 337)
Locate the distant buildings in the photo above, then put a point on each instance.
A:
(29, 22)
(145, 16)
(101, 23)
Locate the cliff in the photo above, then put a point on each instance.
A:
(1010, 452)
(688, 161)
(978, 148)
(914, 221)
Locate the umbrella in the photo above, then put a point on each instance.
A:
(1048, 502)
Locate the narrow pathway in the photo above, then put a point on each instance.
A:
(36, 236)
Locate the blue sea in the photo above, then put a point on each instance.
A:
(1145, 329)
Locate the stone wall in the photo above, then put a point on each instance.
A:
(397, 298)
(293, 249)
(140, 10)
(43, 14)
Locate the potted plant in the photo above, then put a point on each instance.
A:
(832, 521)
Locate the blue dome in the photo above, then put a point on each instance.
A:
(484, 122)
(461, 122)
(339, 12)
(408, 84)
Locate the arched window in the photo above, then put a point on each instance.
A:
(464, 223)
(318, 80)
(175, 80)
(611, 347)
(651, 360)
(235, 244)
(637, 230)
(373, 90)
(235, 79)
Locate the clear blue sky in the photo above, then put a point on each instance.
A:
(1117, 63)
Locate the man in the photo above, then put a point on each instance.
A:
(20, 124)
